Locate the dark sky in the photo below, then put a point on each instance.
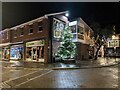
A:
(15, 13)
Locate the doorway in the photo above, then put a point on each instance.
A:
(35, 53)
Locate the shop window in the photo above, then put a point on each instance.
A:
(35, 50)
(16, 52)
(29, 52)
(6, 53)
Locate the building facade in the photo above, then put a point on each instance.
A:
(31, 41)
(113, 46)
(83, 37)
(38, 40)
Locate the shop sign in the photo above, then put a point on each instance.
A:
(35, 43)
(114, 43)
(58, 27)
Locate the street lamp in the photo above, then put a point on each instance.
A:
(64, 12)
(67, 14)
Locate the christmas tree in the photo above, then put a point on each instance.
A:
(67, 48)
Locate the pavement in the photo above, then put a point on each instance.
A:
(83, 64)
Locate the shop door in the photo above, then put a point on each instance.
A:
(34, 53)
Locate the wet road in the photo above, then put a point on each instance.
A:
(106, 77)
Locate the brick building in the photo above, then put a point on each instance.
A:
(31, 41)
(38, 40)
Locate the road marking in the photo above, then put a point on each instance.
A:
(20, 76)
(34, 78)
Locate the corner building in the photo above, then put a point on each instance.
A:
(32, 41)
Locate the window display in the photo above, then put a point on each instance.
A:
(35, 50)
(16, 52)
(6, 53)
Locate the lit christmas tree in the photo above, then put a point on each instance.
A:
(67, 47)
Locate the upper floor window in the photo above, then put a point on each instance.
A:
(80, 30)
(40, 26)
(31, 30)
(21, 32)
(3, 35)
(15, 33)
(73, 29)
(7, 34)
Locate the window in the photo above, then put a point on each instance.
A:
(73, 29)
(7, 34)
(80, 36)
(3, 35)
(40, 28)
(22, 32)
(15, 33)
(31, 30)
(80, 30)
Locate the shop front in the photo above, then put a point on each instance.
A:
(5, 53)
(16, 52)
(35, 51)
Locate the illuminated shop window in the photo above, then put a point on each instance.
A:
(16, 52)
(35, 50)
(6, 53)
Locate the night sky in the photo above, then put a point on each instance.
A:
(19, 12)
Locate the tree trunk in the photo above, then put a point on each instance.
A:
(96, 54)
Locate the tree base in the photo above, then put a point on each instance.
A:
(68, 61)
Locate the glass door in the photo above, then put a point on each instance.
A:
(34, 53)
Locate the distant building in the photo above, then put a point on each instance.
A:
(83, 37)
(113, 46)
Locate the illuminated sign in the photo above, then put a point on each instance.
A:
(35, 43)
(58, 28)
